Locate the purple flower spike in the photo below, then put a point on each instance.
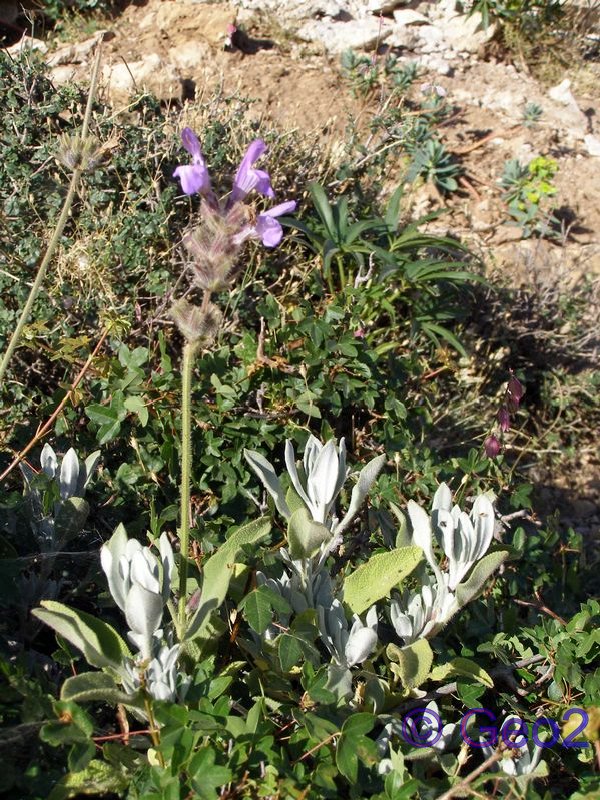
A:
(194, 177)
(514, 391)
(247, 178)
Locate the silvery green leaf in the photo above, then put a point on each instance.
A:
(218, 570)
(360, 645)
(89, 687)
(290, 464)
(100, 644)
(322, 480)
(342, 469)
(168, 565)
(414, 662)
(86, 471)
(339, 682)
(305, 535)
(421, 530)
(48, 461)
(144, 572)
(442, 499)
(143, 612)
(445, 524)
(467, 591)
(69, 473)
(269, 480)
(110, 557)
(376, 578)
(482, 516)
(311, 452)
(366, 479)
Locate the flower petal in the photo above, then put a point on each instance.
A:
(190, 142)
(282, 208)
(247, 178)
(194, 178)
(269, 230)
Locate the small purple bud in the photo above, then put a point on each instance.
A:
(504, 419)
(514, 390)
(359, 333)
(491, 446)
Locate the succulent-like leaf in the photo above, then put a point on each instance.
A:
(48, 461)
(71, 518)
(378, 576)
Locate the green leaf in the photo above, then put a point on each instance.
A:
(359, 724)
(463, 667)
(346, 758)
(414, 662)
(323, 208)
(102, 415)
(97, 779)
(218, 570)
(80, 755)
(258, 607)
(94, 686)
(378, 576)
(100, 643)
(469, 589)
(289, 651)
(136, 405)
(305, 536)
(73, 725)
(206, 776)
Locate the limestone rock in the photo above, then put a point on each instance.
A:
(150, 73)
(296, 9)
(407, 16)
(466, 33)
(592, 144)
(364, 34)
(75, 53)
(27, 43)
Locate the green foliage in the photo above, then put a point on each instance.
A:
(527, 189)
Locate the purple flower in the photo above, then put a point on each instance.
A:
(491, 446)
(194, 177)
(267, 228)
(504, 419)
(247, 178)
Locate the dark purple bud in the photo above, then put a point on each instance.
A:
(514, 391)
(504, 419)
(491, 446)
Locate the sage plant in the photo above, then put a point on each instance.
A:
(213, 244)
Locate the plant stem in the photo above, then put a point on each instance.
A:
(189, 352)
(62, 220)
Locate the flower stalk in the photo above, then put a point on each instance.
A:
(78, 170)
(189, 352)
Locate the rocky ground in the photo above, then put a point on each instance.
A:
(286, 54)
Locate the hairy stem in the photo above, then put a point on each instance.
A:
(189, 352)
(60, 225)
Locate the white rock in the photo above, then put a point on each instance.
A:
(466, 33)
(432, 38)
(189, 56)
(27, 43)
(296, 9)
(150, 72)
(364, 34)
(406, 16)
(75, 53)
(592, 145)
(562, 93)
(404, 36)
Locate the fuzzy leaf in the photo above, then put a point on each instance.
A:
(378, 576)
(467, 591)
(94, 686)
(464, 668)
(305, 536)
(367, 477)
(414, 662)
(100, 644)
(218, 570)
(269, 480)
